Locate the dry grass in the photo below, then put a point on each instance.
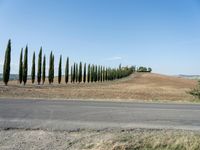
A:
(140, 86)
(136, 139)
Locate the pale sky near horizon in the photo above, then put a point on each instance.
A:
(164, 35)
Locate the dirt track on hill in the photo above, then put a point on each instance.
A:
(139, 86)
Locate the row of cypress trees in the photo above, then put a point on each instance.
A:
(79, 72)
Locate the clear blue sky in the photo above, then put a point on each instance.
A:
(164, 35)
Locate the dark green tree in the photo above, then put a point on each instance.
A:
(25, 66)
(67, 71)
(92, 73)
(21, 66)
(60, 70)
(6, 66)
(39, 66)
(88, 73)
(76, 72)
(84, 73)
(106, 74)
(103, 75)
(96, 74)
(99, 74)
(33, 69)
(44, 69)
(80, 72)
(72, 71)
(50, 67)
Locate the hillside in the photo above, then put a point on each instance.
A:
(139, 86)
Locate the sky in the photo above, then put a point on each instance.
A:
(163, 35)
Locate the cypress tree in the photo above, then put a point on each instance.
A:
(67, 71)
(80, 73)
(101, 74)
(84, 73)
(39, 66)
(44, 70)
(92, 69)
(92, 73)
(88, 74)
(6, 67)
(96, 74)
(76, 72)
(72, 74)
(106, 74)
(21, 66)
(50, 67)
(33, 69)
(25, 67)
(60, 70)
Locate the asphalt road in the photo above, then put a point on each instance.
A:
(75, 115)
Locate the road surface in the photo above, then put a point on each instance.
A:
(76, 115)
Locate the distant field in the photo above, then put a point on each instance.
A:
(139, 86)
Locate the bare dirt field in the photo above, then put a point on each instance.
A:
(100, 140)
(139, 86)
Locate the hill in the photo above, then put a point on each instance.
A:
(194, 77)
(138, 86)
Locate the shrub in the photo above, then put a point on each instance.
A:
(196, 91)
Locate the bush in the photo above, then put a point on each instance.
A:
(196, 91)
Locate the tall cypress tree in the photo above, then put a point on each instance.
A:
(106, 74)
(33, 69)
(21, 66)
(76, 72)
(88, 74)
(80, 73)
(39, 66)
(60, 70)
(67, 71)
(72, 71)
(50, 67)
(25, 67)
(44, 70)
(101, 74)
(84, 73)
(96, 74)
(6, 66)
(92, 73)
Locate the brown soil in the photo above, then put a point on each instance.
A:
(139, 86)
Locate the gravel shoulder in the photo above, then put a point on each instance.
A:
(100, 140)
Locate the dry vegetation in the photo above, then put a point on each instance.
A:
(139, 86)
(138, 139)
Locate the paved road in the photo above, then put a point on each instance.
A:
(73, 115)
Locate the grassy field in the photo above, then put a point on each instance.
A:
(139, 86)
(136, 139)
